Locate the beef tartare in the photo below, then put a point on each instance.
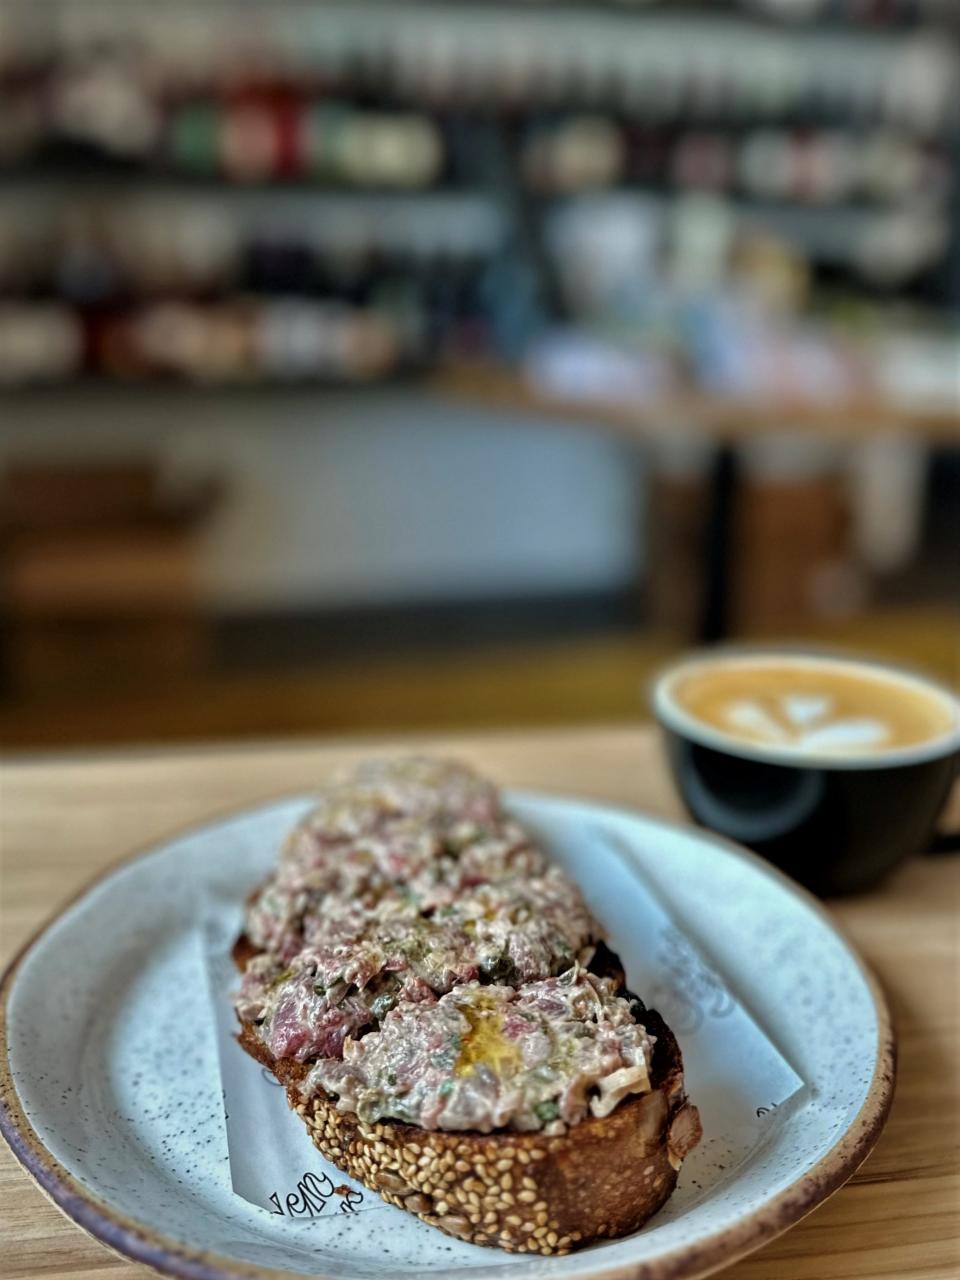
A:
(416, 966)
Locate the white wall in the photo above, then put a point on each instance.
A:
(334, 499)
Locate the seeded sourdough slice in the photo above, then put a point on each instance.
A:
(522, 1192)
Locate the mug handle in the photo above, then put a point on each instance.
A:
(944, 842)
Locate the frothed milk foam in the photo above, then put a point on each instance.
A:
(817, 705)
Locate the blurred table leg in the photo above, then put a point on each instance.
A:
(719, 529)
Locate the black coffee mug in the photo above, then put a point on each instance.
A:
(837, 823)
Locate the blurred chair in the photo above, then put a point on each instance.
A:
(793, 558)
(97, 569)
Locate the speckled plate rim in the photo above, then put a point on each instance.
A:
(140, 1243)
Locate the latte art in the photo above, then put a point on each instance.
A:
(816, 706)
(792, 721)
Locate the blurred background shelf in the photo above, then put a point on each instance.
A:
(515, 346)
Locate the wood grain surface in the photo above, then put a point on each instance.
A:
(62, 820)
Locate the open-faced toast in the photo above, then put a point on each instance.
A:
(521, 1191)
(544, 1189)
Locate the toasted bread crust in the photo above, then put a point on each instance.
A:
(523, 1192)
(243, 952)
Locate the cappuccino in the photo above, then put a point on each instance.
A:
(810, 705)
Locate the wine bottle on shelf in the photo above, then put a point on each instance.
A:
(40, 342)
(193, 137)
(702, 161)
(248, 144)
(21, 122)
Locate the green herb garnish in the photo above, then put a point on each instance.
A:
(546, 1111)
(383, 1004)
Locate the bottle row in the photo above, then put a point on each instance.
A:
(880, 14)
(683, 341)
(666, 66)
(257, 138)
(94, 251)
(799, 166)
(250, 138)
(868, 13)
(213, 343)
(456, 259)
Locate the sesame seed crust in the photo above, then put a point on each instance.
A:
(522, 1192)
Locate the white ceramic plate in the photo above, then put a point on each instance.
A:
(110, 1087)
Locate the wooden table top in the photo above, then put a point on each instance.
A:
(722, 419)
(62, 820)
